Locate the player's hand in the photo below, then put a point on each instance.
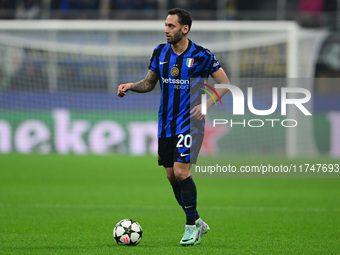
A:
(196, 112)
(123, 88)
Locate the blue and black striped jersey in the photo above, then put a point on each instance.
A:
(180, 79)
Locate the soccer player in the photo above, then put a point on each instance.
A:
(177, 65)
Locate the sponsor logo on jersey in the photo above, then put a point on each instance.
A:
(175, 81)
(178, 83)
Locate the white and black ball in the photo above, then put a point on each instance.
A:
(127, 232)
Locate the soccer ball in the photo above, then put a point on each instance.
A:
(127, 232)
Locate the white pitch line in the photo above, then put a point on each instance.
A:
(167, 207)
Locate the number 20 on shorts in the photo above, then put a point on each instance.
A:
(184, 140)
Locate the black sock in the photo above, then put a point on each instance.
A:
(189, 200)
(177, 191)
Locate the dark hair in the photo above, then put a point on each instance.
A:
(184, 17)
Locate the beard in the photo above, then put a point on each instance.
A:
(176, 38)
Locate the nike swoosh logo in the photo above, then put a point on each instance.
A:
(184, 155)
(188, 239)
(161, 63)
(186, 207)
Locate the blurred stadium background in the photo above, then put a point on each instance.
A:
(59, 77)
(325, 12)
(61, 63)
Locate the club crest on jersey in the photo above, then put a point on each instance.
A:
(190, 62)
(174, 71)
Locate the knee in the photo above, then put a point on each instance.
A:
(181, 174)
(171, 177)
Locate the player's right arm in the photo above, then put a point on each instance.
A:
(145, 85)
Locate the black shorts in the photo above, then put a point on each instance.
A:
(180, 148)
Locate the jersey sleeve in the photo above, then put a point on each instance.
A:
(212, 63)
(153, 61)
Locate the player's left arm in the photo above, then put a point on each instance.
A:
(220, 77)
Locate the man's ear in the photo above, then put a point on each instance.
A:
(185, 29)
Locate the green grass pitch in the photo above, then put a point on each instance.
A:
(70, 204)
